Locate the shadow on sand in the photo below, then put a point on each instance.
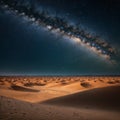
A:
(107, 98)
(23, 89)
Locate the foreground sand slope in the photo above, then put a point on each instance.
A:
(107, 98)
(11, 109)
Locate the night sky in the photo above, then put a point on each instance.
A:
(27, 49)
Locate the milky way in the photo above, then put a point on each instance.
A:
(43, 18)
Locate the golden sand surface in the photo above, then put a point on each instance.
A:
(60, 98)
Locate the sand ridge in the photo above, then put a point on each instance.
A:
(106, 98)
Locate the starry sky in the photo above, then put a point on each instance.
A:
(27, 49)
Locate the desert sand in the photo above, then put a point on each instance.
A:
(60, 98)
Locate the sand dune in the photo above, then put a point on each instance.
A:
(59, 98)
(20, 88)
(11, 109)
(99, 98)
